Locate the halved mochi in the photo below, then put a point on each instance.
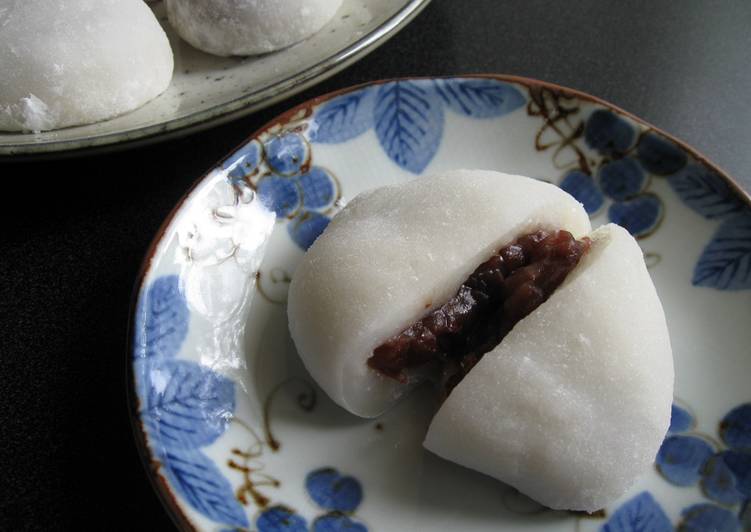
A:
(572, 406)
(398, 252)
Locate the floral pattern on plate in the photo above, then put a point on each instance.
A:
(210, 359)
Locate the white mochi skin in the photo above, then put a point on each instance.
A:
(248, 27)
(70, 62)
(570, 408)
(396, 252)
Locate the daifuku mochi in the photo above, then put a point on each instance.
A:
(573, 405)
(69, 62)
(393, 254)
(248, 27)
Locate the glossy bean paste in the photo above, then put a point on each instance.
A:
(496, 296)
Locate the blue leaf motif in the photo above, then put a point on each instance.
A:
(727, 477)
(409, 123)
(480, 98)
(681, 419)
(337, 522)
(704, 517)
(681, 459)
(305, 228)
(705, 191)
(640, 514)
(343, 118)
(582, 187)
(186, 405)
(161, 319)
(726, 261)
(735, 428)
(281, 519)
(332, 491)
(197, 479)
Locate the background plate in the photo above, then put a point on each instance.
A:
(207, 89)
(235, 433)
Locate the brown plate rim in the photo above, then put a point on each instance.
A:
(159, 484)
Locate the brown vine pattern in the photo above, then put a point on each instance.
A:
(277, 276)
(559, 113)
(247, 463)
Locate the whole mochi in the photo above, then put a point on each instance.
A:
(248, 27)
(71, 62)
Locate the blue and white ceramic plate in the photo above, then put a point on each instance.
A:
(237, 436)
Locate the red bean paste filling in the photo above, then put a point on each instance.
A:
(498, 294)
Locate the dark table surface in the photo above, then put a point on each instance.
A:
(73, 248)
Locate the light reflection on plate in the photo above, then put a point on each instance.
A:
(237, 435)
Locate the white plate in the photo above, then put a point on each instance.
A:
(238, 436)
(207, 89)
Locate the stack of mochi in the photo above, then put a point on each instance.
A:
(73, 62)
(545, 340)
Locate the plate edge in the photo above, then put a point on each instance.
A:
(162, 489)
